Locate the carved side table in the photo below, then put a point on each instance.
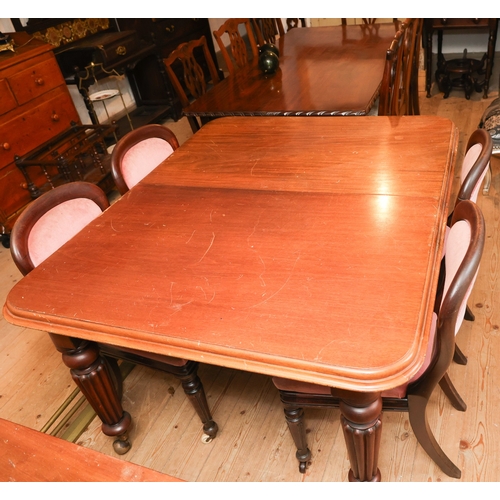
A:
(463, 73)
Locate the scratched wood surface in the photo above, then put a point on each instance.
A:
(253, 442)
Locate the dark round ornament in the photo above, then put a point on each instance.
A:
(269, 62)
(271, 47)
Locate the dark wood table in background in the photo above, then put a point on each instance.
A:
(309, 251)
(331, 70)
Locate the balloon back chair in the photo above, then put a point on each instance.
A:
(46, 225)
(465, 244)
(196, 82)
(475, 166)
(139, 152)
(238, 55)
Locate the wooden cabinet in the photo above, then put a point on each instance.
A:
(489, 25)
(167, 34)
(35, 106)
(127, 54)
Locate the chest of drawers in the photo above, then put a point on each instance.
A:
(35, 106)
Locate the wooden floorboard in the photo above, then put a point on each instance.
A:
(253, 444)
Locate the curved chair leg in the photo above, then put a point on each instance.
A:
(459, 357)
(295, 420)
(451, 393)
(115, 375)
(418, 420)
(193, 388)
(469, 315)
(487, 182)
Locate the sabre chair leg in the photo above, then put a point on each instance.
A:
(487, 181)
(451, 393)
(459, 357)
(469, 315)
(295, 420)
(418, 420)
(193, 388)
(100, 384)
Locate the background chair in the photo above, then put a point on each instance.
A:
(139, 152)
(48, 223)
(367, 20)
(295, 22)
(399, 88)
(238, 54)
(464, 249)
(268, 30)
(194, 78)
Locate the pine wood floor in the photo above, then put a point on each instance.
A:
(253, 443)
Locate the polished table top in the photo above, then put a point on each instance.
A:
(330, 70)
(305, 247)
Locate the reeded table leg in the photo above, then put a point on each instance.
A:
(362, 425)
(95, 379)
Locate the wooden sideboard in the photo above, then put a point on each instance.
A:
(35, 106)
(167, 34)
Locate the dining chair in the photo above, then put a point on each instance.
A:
(295, 22)
(475, 166)
(464, 249)
(399, 88)
(139, 152)
(46, 225)
(238, 55)
(193, 77)
(267, 30)
(490, 121)
(365, 20)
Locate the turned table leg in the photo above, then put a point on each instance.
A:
(362, 425)
(97, 381)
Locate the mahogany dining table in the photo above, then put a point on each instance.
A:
(327, 70)
(306, 248)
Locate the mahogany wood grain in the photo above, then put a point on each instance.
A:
(330, 70)
(309, 251)
(28, 455)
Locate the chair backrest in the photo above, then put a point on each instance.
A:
(475, 165)
(366, 20)
(464, 248)
(53, 219)
(139, 152)
(238, 55)
(399, 90)
(194, 81)
(295, 22)
(267, 30)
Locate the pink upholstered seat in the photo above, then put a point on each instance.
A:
(142, 158)
(139, 152)
(463, 253)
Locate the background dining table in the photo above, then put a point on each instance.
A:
(328, 70)
(306, 248)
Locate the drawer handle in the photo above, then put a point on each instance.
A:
(121, 50)
(39, 81)
(55, 117)
(170, 28)
(6, 146)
